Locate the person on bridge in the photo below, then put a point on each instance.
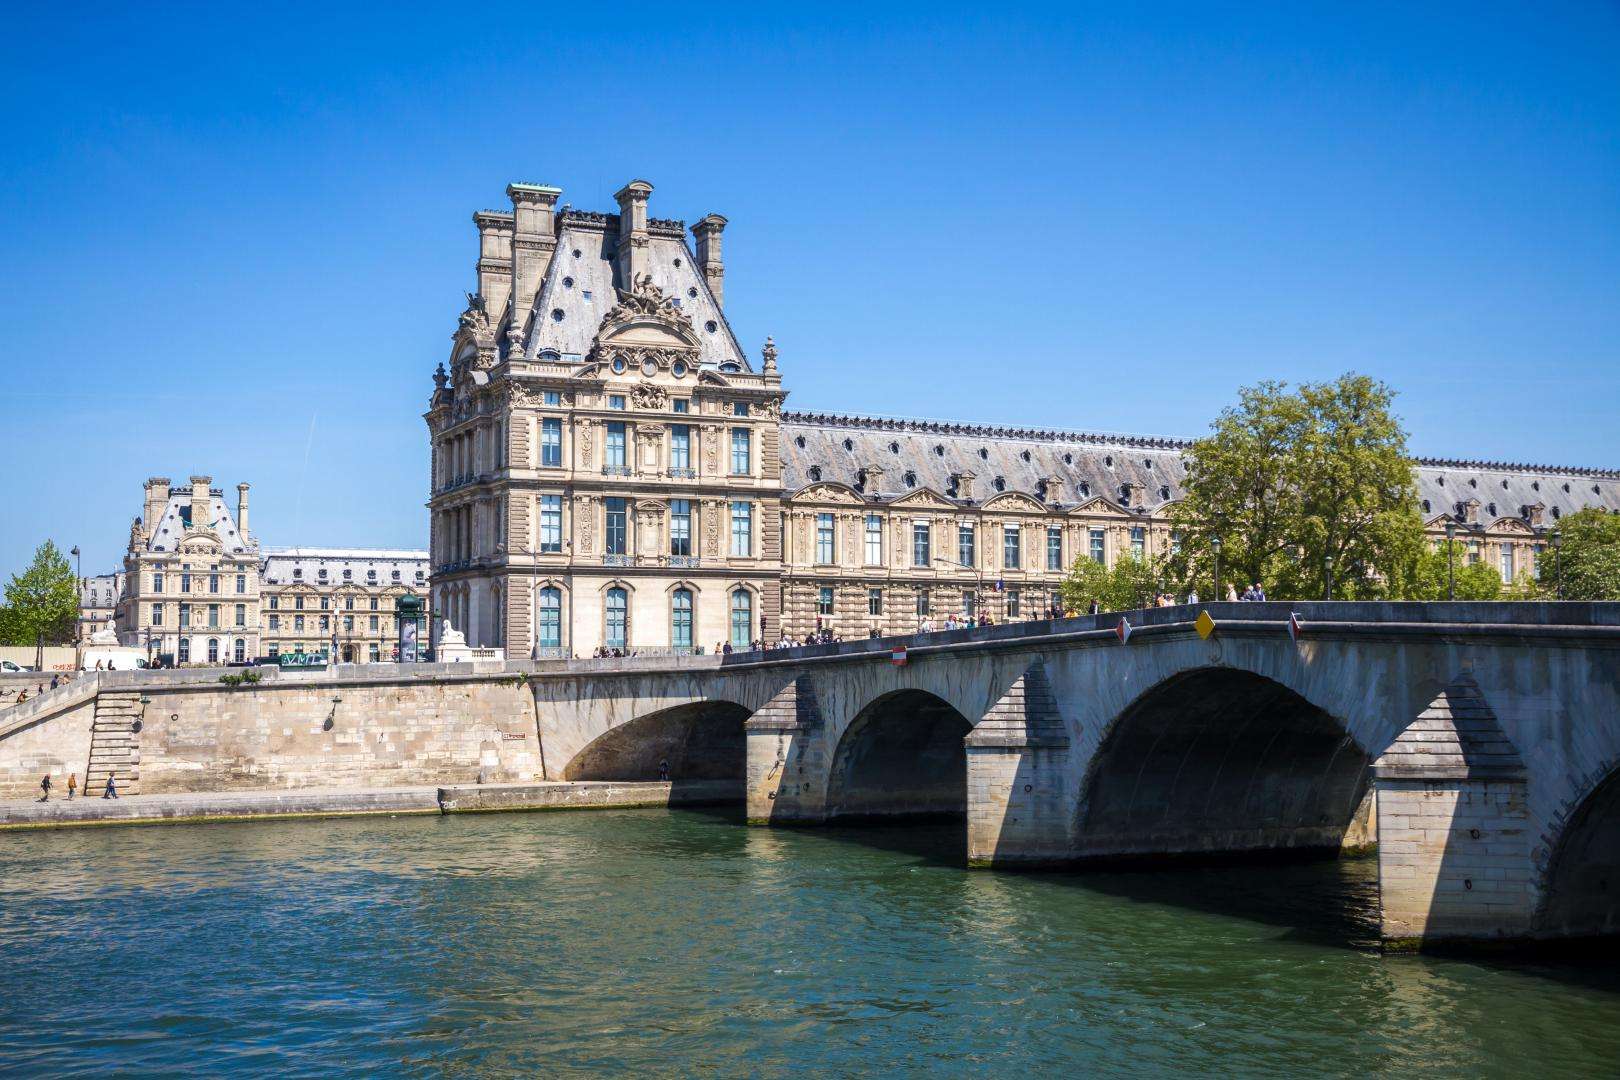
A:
(112, 788)
(45, 788)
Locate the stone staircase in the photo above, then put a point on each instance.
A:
(115, 745)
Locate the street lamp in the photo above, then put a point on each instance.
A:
(978, 575)
(1558, 561)
(1451, 574)
(1215, 543)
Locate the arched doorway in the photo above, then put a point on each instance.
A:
(1220, 761)
(902, 755)
(1582, 896)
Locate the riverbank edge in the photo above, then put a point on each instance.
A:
(283, 805)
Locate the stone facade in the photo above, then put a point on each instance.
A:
(98, 603)
(591, 330)
(315, 597)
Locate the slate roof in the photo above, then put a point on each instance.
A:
(580, 289)
(171, 524)
(285, 566)
(830, 447)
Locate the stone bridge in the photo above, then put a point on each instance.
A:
(1477, 746)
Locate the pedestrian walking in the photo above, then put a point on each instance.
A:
(73, 784)
(112, 788)
(45, 788)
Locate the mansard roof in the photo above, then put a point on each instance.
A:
(366, 566)
(171, 524)
(918, 454)
(924, 454)
(579, 289)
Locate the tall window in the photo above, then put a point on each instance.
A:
(617, 618)
(275, 622)
(1507, 564)
(185, 616)
(184, 654)
(1473, 552)
(742, 529)
(614, 450)
(680, 618)
(348, 623)
(1010, 552)
(1098, 552)
(185, 577)
(920, 544)
(551, 397)
(239, 653)
(551, 617)
(824, 601)
(213, 583)
(157, 614)
(613, 536)
(742, 618)
(680, 447)
(551, 523)
(157, 581)
(241, 614)
(874, 540)
(213, 650)
(740, 452)
(680, 527)
(874, 601)
(965, 553)
(241, 583)
(275, 602)
(1013, 604)
(1138, 542)
(824, 539)
(922, 604)
(551, 441)
(298, 623)
(970, 603)
(1054, 549)
(371, 623)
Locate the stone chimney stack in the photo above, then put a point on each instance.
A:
(242, 510)
(632, 199)
(494, 260)
(707, 233)
(157, 497)
(534, 238)
(199, 501)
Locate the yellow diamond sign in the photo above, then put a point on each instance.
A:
(1204, 625)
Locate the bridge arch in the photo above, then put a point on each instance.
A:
(1222, 760)
(698, 740)
(901, 754)
(1581, 887)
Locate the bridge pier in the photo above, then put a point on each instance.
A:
(1018, 805)
(787, 758)
(1454, 860)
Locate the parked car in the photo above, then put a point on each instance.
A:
(7, 665)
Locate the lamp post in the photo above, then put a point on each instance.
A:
(1451, 575)
(1558, 561)
(978, 576)
(1215, 544)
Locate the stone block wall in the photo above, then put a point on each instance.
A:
(59, 744)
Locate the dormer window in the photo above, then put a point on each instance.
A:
(298, 572)
(815, 472)
(1000, 483)
(911, 479)
(347, 574)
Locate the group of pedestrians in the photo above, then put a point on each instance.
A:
(73, 787)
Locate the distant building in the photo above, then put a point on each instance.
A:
(314, 597)
(98, 603)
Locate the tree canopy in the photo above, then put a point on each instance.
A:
(42, 603)
(1474, 581)
(1129, 583)
(1589, 551)
(1310, 492)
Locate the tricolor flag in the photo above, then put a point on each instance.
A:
(1294, 625)
(1123, 630)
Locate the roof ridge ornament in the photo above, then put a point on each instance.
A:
(769, 353)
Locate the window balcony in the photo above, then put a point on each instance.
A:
(683, 474)
(685, 560)
(616, 560)
(550, 652)
(615, 470)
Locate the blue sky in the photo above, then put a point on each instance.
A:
(236, 241)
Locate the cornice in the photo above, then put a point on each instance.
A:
(983, 431)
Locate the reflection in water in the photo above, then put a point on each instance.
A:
(661, 942)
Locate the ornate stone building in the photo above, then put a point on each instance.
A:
(98, 603)
(610, 469)
(317, 597)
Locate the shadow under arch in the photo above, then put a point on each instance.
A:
(700, 740)
(1220, 762)
(902, 755)
(1581, 898)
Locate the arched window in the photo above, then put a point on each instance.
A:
(213, 650)
(240, 651)
(550, 617)
(183, 656)
(617, 618)
(680, 618)
(742, 618)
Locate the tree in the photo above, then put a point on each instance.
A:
(1589, 549)
(1428, 579)
(1311, 493)
(42, 602)
(1131, 583)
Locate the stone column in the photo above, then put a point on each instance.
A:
(787, 758)
(1018, 808)
(1453, 845)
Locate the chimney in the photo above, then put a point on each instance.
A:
(707, 233)
(241, 510)
(632, 199)
(157, 497)
(494, 260)
(534, 238)
(199, 501)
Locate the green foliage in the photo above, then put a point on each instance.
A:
(247, 677)
(1303, 488)
(1131, 583)
(1589, 549)
(1475, 581)
(42, 603)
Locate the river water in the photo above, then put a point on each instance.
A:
(663, 943)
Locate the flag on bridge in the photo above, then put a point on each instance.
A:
(1294, 625)
(898, 656)
(1123, 630)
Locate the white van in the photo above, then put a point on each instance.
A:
(113, 658)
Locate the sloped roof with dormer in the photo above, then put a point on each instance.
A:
(172, 524)
(579, 289)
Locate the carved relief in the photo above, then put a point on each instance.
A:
(711, 530)
(649, 396)
(711, 450)
(587, 525)
(585, 444)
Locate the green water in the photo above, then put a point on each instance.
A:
(647, 942)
